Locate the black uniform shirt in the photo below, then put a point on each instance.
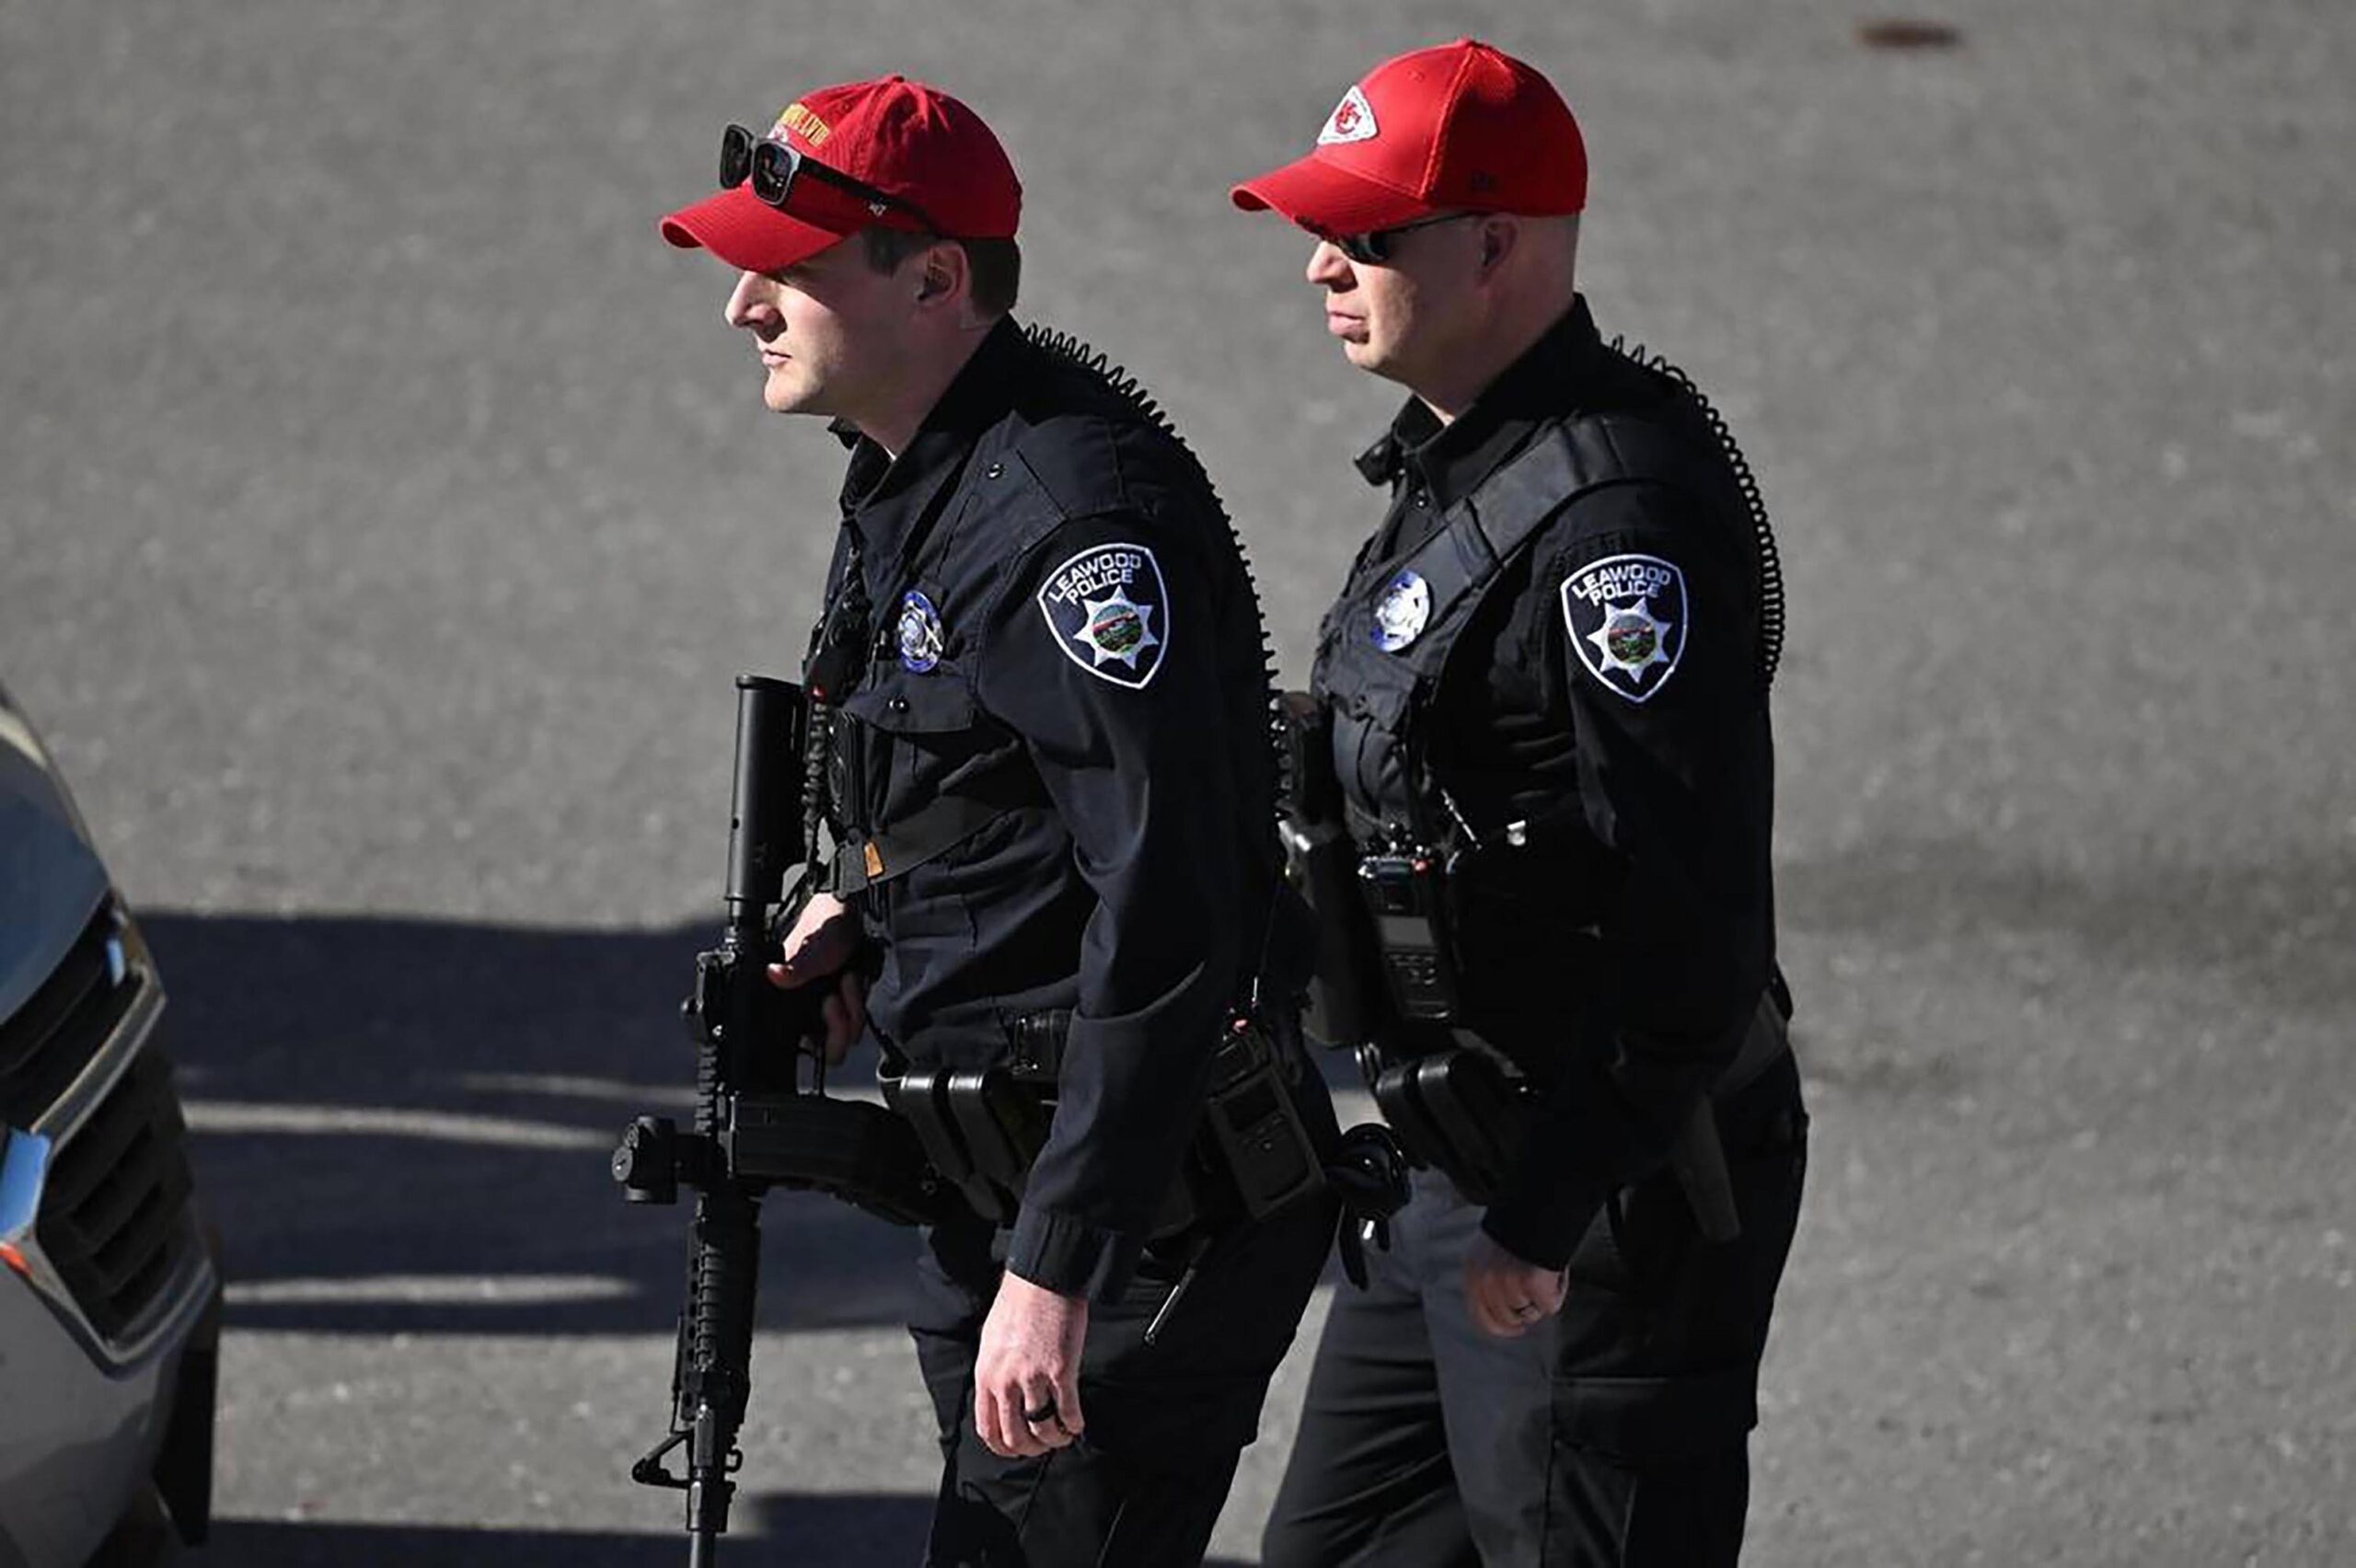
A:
(1620, 954)
(1057, 599)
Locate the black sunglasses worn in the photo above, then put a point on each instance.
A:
(773, 167)
(1373, 247)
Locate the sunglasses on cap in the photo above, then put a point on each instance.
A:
(1373, 247)
(773, 167)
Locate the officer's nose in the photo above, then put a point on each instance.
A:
(1329, 268)
(751, 302)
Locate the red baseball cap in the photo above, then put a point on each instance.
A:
(1463, 127)
(906, 140)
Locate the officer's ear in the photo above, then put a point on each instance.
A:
(1498, 236)
(943, 267)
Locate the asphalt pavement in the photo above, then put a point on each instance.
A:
(385, 511)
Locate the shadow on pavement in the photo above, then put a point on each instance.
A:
(404, 1127)
(786, 1530)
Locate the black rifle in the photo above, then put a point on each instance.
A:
(756, 1126)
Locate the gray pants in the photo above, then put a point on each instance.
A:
(1612, 1434)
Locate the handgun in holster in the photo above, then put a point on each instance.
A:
(1698, 1156)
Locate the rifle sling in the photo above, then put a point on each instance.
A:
(948, 820)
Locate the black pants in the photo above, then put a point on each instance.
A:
(1614, 1436)
(1144, 1485)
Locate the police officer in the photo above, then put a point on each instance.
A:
(1546, 685)
(1044, 699)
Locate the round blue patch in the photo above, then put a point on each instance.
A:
(920, 633)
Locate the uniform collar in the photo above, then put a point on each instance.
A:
(1450, 460)
(884, 496)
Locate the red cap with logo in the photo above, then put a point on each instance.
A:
(907, 140)
(1460, 128)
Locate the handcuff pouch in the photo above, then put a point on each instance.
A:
(1458, 1113)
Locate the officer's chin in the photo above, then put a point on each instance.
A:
(785, 393)
(1373, 361)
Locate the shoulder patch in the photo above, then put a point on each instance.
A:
(1626, 615)
(1107, 609)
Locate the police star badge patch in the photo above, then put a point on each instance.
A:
(1110, 613)
(1627, 620)
(1401, 613)
(918, 634)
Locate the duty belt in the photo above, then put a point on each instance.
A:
(981, 1128)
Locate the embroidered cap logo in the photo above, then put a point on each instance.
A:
(1352, 120)
(814, 130)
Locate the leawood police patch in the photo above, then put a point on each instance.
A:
(1626, 617)
(1110, 613)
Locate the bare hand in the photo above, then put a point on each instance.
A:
(1029, 1365)
(1507, 1295)
(824, 940)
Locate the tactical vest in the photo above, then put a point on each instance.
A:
(1379, 695)
(851, 644)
